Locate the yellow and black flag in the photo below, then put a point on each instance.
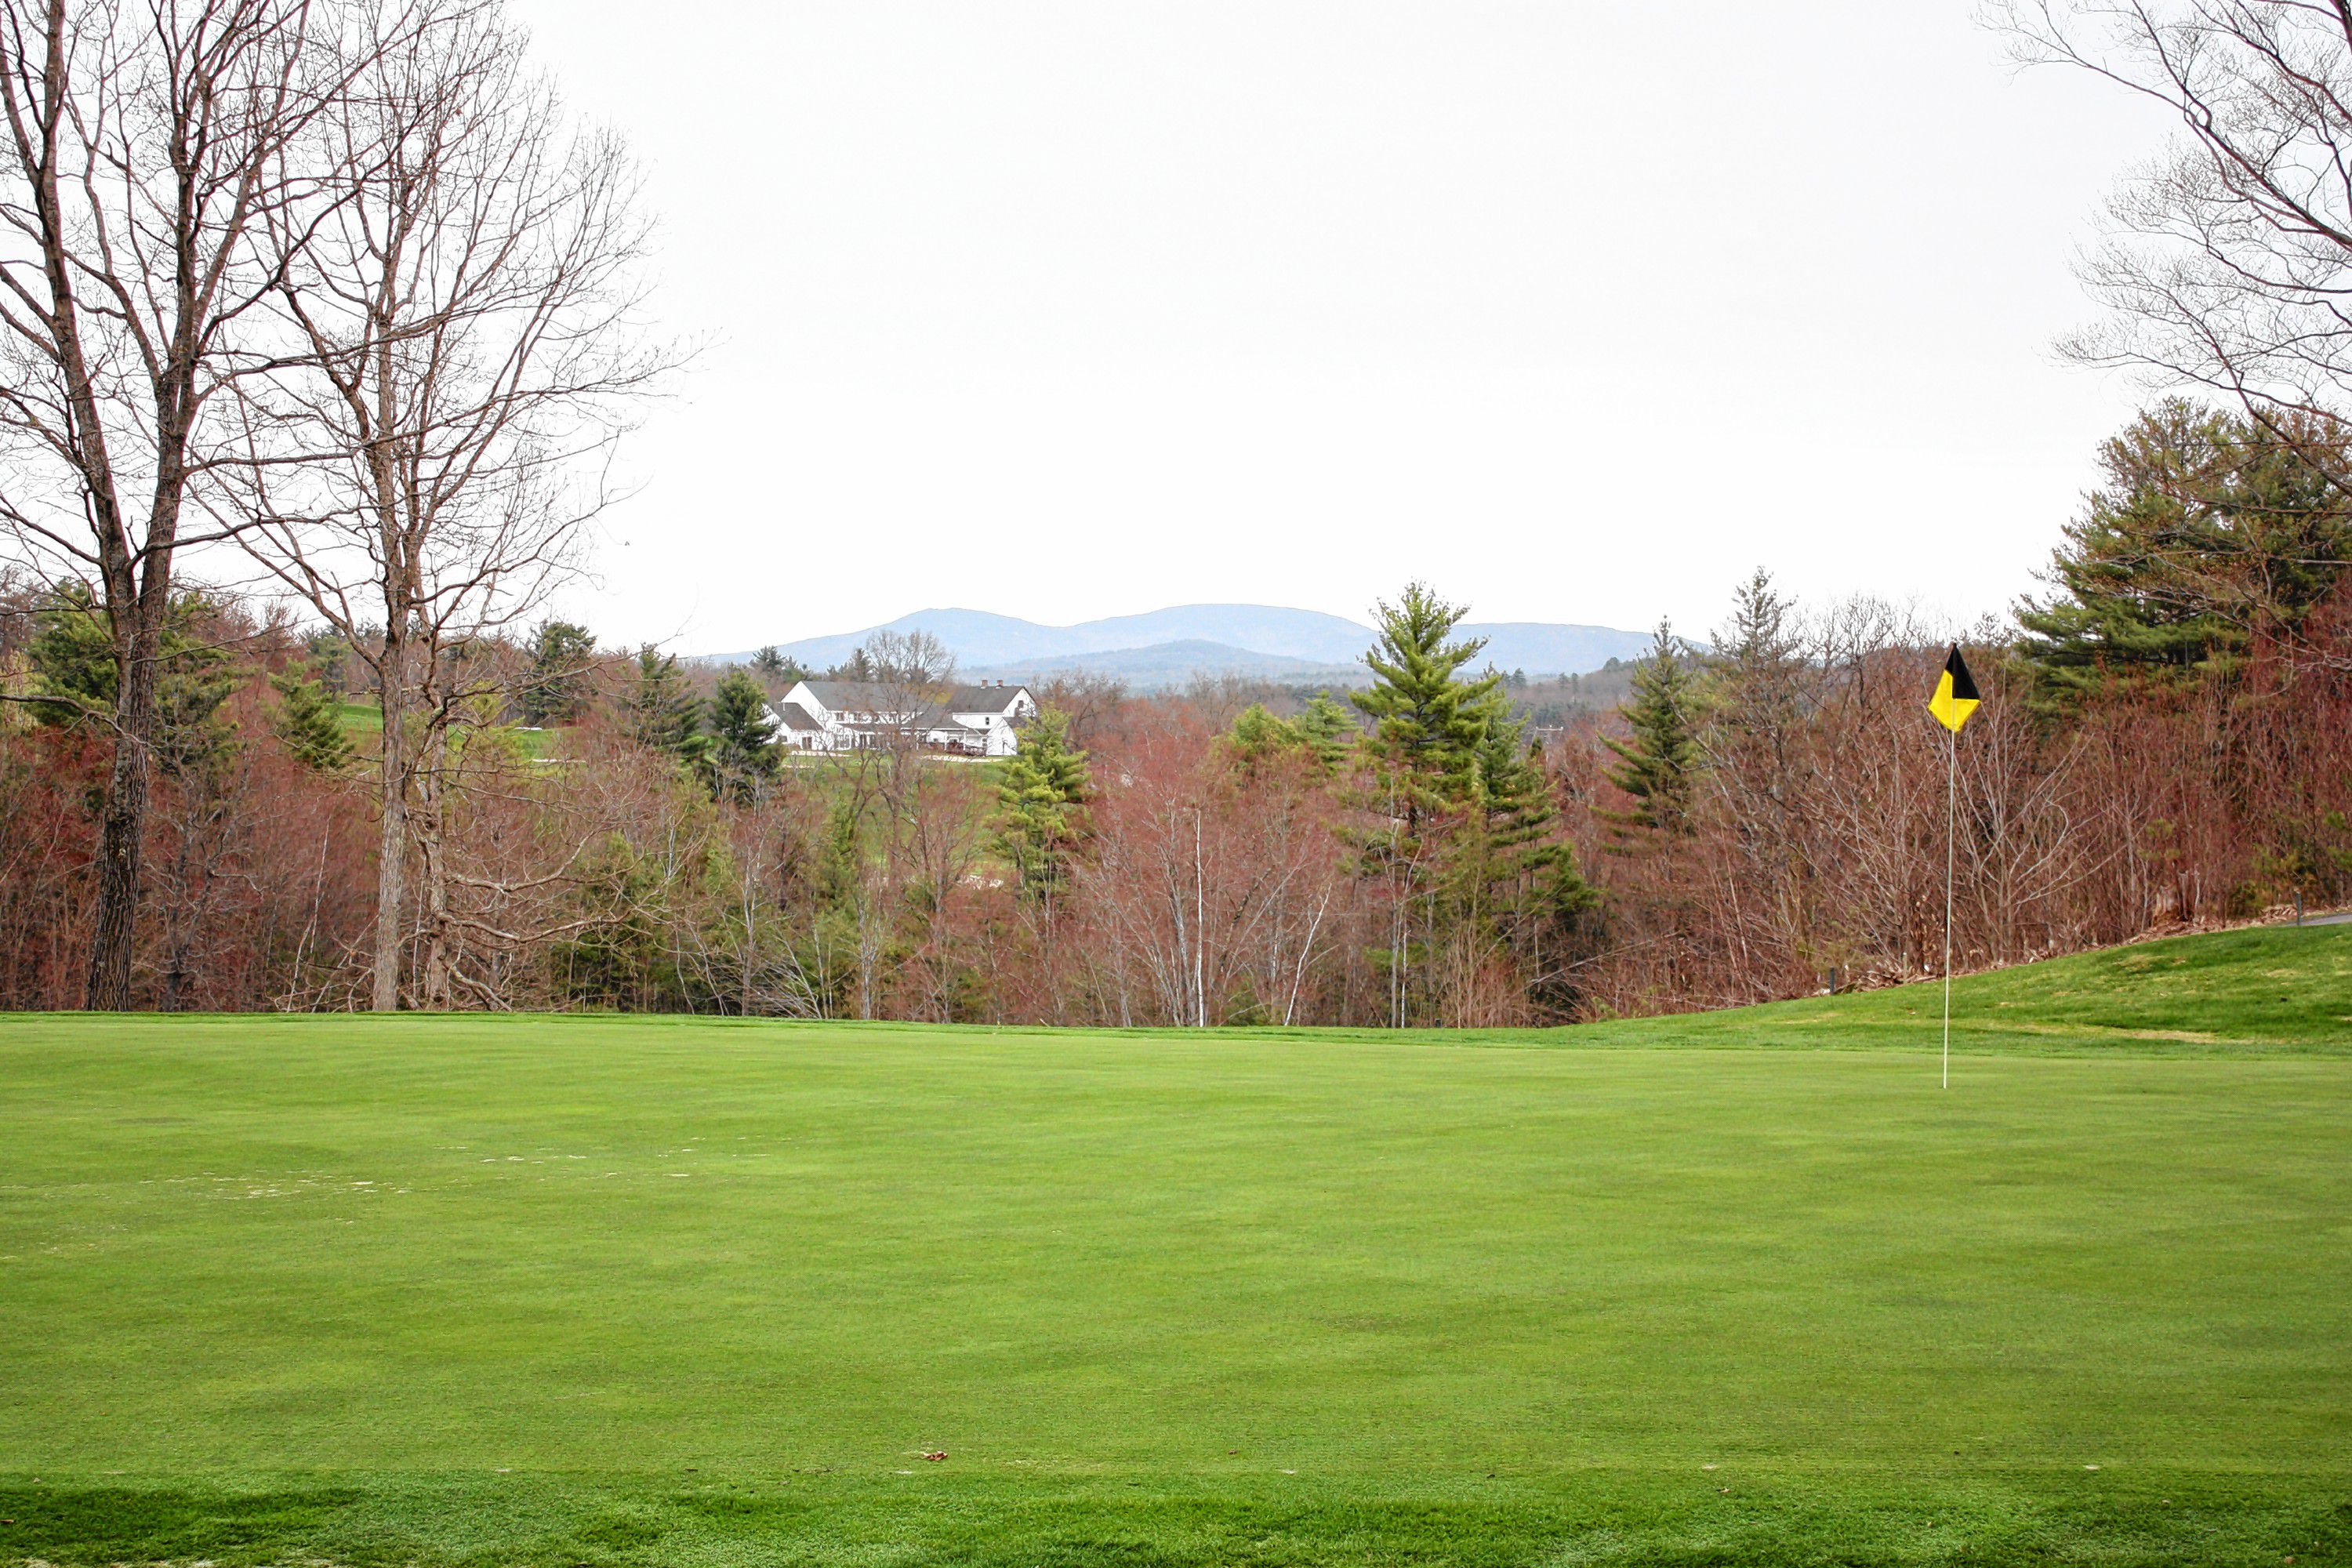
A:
(1955, 693)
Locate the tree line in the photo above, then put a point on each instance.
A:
(2165, 740)
(331, 300)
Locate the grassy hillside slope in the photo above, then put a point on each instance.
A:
(2276, 989)
(547, 1291)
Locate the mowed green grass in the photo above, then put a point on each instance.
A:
(2259, 991)
(568, 1290)
(360, 720)
(363, 723)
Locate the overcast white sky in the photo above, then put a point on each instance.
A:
(1579, 310)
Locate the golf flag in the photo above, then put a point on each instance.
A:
(1955, 693)
(1956, 698)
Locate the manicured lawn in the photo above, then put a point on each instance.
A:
(360, 720)
(363, 721)
(607, 1290)
(2265, 990)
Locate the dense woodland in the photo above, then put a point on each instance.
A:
(2167, 738)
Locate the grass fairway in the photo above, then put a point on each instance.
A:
(363, 723)
(474, 1291)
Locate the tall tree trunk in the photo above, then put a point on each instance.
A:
(122, 814)
(436, 985)
(122, 824)
(399, 584)
(392, 853)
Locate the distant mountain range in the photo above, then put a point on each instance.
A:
(1164, 647)
(1175, 663)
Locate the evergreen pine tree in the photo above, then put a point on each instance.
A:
(663, 715)
(1327, 730)
(1324, 731)
(72, 656)
(1756, 691)
(1469, 842)
(1514, 796)
(1532, 869)
(72, 659)
(1257, 738)
(305, 721)
(1519, 878)
(776, 672)
(1427, 721)
(2208, 531)
(557, 687)
(1760, 643)
(1042, 793)
(740, 759)
(1660, 761)
(331, 661)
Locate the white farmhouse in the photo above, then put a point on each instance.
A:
(982, 720)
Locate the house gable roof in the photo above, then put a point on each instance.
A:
(856, 696)
(885, 697)
(985, 699)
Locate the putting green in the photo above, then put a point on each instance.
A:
(581, 1290)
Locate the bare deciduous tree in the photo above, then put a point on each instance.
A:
(2228, 263)
(462, 310)
(148, 153)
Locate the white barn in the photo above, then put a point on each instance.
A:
(982, 721)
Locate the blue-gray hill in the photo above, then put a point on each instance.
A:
(1216, 637)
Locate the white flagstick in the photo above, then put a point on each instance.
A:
(1951, 798)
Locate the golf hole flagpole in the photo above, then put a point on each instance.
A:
(1956, 698)
(1951, 852)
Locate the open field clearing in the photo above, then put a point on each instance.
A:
(584, 1291)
